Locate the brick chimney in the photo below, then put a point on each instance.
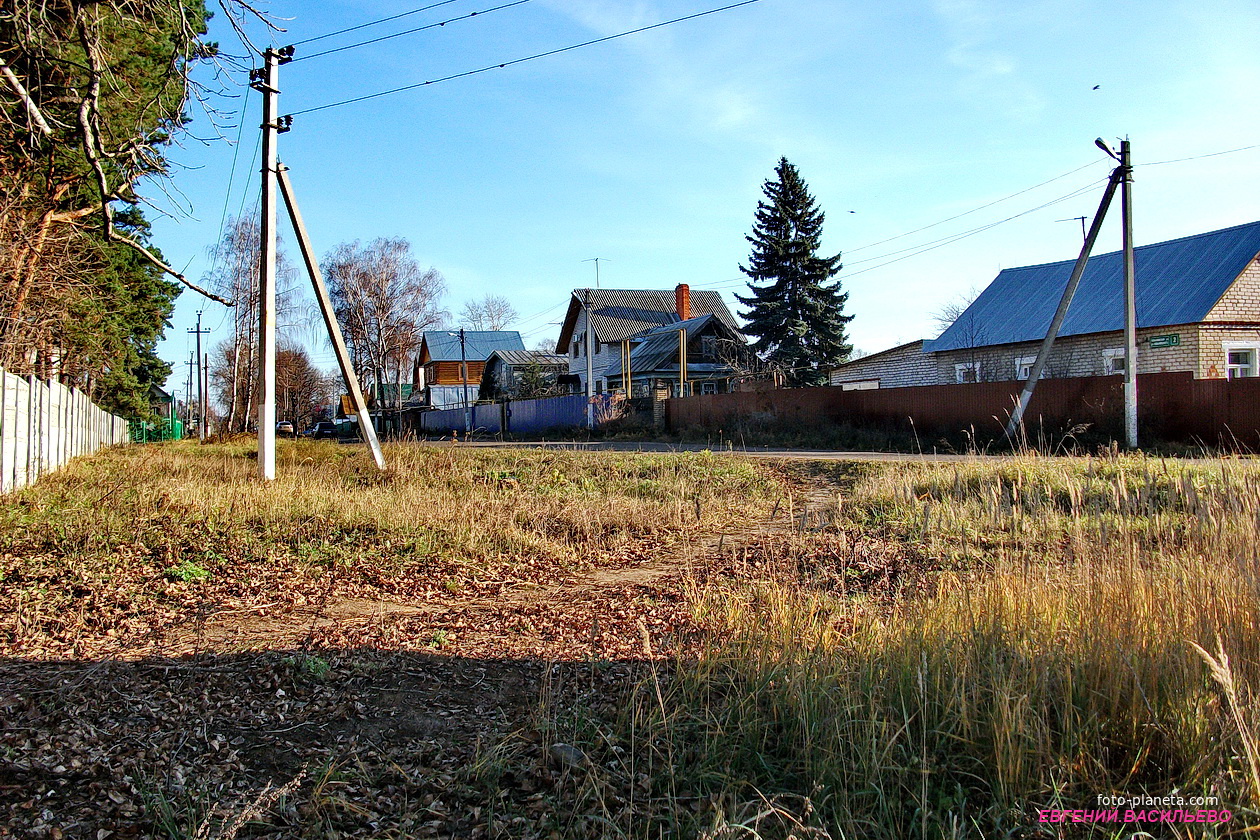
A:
(682, 301)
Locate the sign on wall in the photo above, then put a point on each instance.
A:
(1170, 340)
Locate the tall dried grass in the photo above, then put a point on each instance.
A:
(1061, 654)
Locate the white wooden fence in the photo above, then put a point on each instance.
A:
(45, 424)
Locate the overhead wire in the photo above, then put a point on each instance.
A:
(1200, 157)
(976, 209)
(435, 25)
(377, 22)
(504, 64)
(923, 247)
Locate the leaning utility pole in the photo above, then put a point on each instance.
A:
(1130, 302)
(1047, 344)
(330, 318)
(201, 379)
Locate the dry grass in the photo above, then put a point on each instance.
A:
(113, 552)
(1058, 655)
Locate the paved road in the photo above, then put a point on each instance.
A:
(754, 451)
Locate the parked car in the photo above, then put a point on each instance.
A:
(322, 429)
(284, 427)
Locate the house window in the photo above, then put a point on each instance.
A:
(1024, 366)
(1240, 362)
(708, 346)
(967, 372)
(1113, 361)
(708, 387)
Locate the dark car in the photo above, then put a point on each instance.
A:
(323, 429)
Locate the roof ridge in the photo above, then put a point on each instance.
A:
(1136, 248)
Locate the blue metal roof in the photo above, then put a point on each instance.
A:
(443, 345)
(1177, 282)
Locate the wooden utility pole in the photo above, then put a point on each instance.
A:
(1047, 344)
(1130, 301)
(590, 362)
(348, 375)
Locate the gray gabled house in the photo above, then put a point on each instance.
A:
(618, 316)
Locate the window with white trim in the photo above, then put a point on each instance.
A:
(1024, 366)
(1240, 360)
(1113, 361)
(967, 372)
(708, 387)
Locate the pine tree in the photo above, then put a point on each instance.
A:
(798, 317)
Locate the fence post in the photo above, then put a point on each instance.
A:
(4, 429)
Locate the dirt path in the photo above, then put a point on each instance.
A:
(427, 719)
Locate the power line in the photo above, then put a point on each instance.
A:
(411, 31)
(975, 231)
(974, 210)
(522, 60)
(227, 198)
(371, 23)
(915, 250)
(1200, 157)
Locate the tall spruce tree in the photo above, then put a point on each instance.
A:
(798, 316)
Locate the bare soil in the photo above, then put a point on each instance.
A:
(385, 717)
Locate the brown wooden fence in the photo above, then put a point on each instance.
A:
(1172, 407)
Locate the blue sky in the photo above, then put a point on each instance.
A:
(650, 151)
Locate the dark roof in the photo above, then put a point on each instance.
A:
(657, 349)
(617, 314)
(1177, 282)
(443, 345)
(528, 357)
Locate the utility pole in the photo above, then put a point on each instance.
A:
(1047, 344)
(205, 390)
(1130, 301)
(590, 362)
(201, 388)
(463, 367)
(189, 393)
(266, 81)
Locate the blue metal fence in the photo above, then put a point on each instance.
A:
(516, 417)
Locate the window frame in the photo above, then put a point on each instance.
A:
(974, 367)
(1252, 347)
(1109, 356)
(1020, 362)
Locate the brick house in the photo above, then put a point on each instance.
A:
(1198, 311)
(621, 315)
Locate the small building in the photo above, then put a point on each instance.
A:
(710, 349)
(897, 367)
(508, 372)
(1198, 311)
(445, 365)
(619, 315)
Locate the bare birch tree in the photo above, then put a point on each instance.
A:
(234, 274)
(492, 312)
(384, 302)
